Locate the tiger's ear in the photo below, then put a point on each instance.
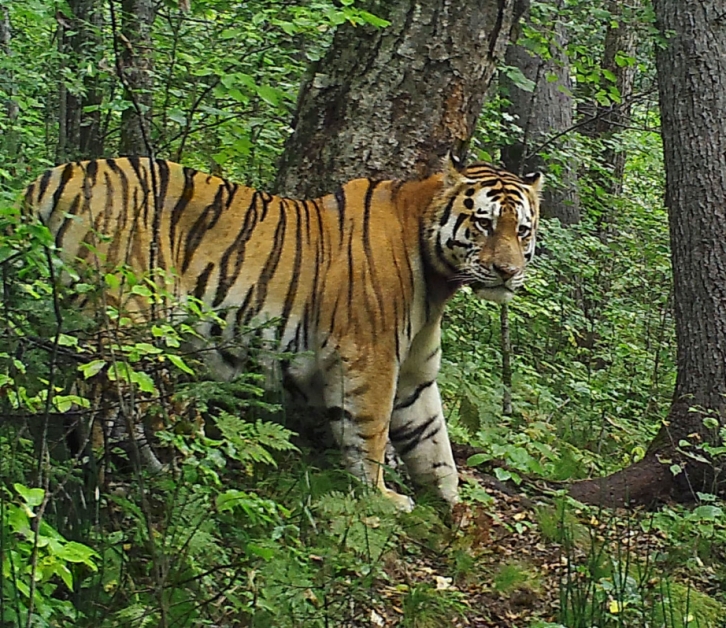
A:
(452, 169)
(535, 180)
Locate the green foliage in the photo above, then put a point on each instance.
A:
(610, 580)
(558, 524)
(512, 576)
(222, 110)
(38, 565)
(427, 607)
(623, 598)
(695, 537)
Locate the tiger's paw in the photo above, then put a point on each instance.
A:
(449, 494)
(447, 488)
(402, 502)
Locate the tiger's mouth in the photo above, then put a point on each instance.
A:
(497, 294)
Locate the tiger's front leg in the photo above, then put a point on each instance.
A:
(419, 434)
(359, 397)
(418, 429)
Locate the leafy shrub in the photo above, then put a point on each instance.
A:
(40, 569)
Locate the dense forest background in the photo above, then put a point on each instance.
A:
(246, 526)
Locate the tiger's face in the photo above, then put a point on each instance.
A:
(487, 228)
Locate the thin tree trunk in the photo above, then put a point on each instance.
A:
(506, 360)
(137, 68)
(391, 102)
(10, 139)
(609, 121)
(61, 151)
(543, 113)
(692, 89)
(620, 42)
(79, 114)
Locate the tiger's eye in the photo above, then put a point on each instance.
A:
(523, 231)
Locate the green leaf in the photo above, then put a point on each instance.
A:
(91, 368)
(622, 60)
(710, 423)
(238, 95)
(269, 94)
(75, 552)
(146, 348)
(515, 75)
(144, 381)
(63, 403)
(502, 474)
(118, 370)
(179, 363)
(245, 79)
(178, 117)
(112, 281)
(64, 340)
(373, 20)
(32, 496)
(65, 574)
(141, 290)
(18, 519)
(477, 459)
(265, 553)
(609, 75)
(602, 98)
(708, 512)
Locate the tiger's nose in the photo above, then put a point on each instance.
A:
(506, 272)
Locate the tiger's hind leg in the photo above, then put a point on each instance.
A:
(359, 398)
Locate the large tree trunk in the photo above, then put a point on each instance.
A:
(391, 102)
(137, 69)
(692, 88)
(80, 124)
(543, 114)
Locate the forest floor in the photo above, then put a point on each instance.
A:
(516, 560)
(512, 578)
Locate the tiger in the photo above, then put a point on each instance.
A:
(353, 284)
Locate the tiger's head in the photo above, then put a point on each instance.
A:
(483, 228)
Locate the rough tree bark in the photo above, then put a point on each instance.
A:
(692, 90)
(79, 38)
(542, 114)
(389, 103)
(137, 69)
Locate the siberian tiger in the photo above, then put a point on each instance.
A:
(354, 283)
